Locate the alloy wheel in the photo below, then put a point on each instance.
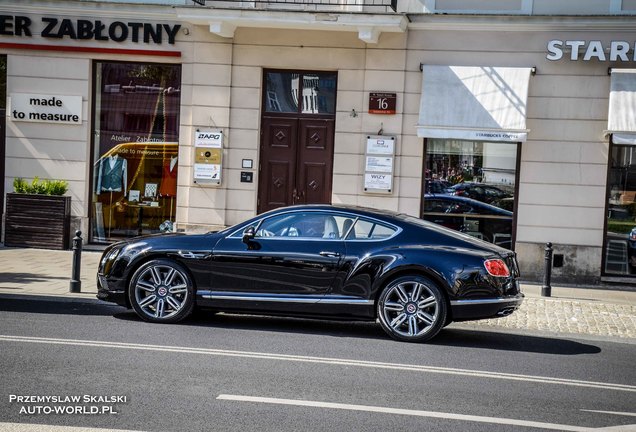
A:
(161, 292)
(411, 308)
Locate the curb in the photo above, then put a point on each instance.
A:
(54, 298)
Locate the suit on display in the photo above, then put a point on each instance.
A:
(112, 175)
(169, 178)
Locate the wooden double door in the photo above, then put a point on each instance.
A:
(296, 161)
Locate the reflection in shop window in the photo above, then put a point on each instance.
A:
(135, 149)
(469, 186)
(309, 93)
(620, 238)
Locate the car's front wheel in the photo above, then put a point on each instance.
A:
(161, 291)
(412, 308)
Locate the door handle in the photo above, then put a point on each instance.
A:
(329, 254)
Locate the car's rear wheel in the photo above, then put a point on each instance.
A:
(412, 308)
(161, 291)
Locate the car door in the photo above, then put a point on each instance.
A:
(294, 257)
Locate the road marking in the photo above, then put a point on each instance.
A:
(611, 412)
(408, 412)
(24, 427)
(322, 360)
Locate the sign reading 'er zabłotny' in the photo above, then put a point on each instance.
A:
(46, 108)
(117, 31)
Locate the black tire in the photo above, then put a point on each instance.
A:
(412, 308)
(161, 291)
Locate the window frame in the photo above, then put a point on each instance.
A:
(603, 272)
(515, 208)
(299, 112)
(95, 114)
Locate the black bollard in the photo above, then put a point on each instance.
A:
(75, 285)
(546, 289)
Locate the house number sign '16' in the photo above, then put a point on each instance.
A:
(382, 103)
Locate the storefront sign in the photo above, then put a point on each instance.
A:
(379, 164)
(378, 182)
(586, 51)
(382, 103)
(494, 136)
(208, 156)
(380, 146)
(210, 172)
(84, 29)
(45, 108)
(378, 171)
(208, 139)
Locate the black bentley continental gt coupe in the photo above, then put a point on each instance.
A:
(317, 261)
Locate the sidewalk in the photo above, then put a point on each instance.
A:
(602, 313)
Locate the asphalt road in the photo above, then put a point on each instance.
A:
(232, 372)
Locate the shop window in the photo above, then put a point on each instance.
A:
(300, 93)
(3, 123)
(136, 134)
(620, 236)
(469, 186)
(3, 82)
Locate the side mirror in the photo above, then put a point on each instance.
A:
(249, 234)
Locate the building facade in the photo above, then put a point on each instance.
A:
(513, 122)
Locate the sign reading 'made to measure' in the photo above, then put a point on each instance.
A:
(46, 108)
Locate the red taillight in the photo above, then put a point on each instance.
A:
(496, 267)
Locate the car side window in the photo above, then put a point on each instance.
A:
(303, 225)
(370, 230)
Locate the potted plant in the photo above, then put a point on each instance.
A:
(38, 214)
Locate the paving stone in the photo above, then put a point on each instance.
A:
(570, 316)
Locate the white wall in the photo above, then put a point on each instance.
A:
(206, 78)
(45, 150)
(61, 151)
(361, 69)
(531, 7)
(563, 171)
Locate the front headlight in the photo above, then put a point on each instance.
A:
(108, 259)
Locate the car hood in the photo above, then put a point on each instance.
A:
(172, 241)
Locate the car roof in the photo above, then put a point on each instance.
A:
(366, 211)
(475, 185)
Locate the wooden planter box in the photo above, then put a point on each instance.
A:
(41, 221)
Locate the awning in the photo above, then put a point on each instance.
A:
(474, 103)
(621, 119)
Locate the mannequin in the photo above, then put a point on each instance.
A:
(169, 177)
(112, 174)
(168, 186)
